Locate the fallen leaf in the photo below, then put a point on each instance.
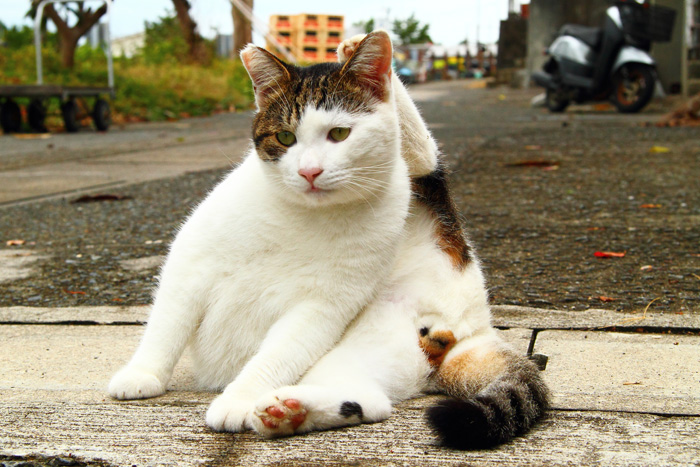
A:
(635, 383)
(659, 150)
(646, 268)
(546, 165)
(606, 299)
(609, 254)
(100, 197)
(650, 206)
(74, 292)
(32, 136)
(15, 242)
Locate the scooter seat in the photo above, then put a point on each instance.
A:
(591, 36)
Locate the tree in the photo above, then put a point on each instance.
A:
(366, 26)
(410, 31)
(72, 23)
(242, 29)
(196, 48)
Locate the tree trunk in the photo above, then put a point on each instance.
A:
(195, 44)
(67, 46)
(69, 36)
(242, 30)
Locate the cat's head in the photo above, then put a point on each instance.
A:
(327, 133)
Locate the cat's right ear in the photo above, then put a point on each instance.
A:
(268, 73)
(371, 63)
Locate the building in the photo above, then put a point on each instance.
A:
(311, 38)
(128, 46)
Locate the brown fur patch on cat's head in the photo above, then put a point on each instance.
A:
(283, 91)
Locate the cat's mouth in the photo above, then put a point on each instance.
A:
(315, 189)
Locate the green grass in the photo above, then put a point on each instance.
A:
(143, 91)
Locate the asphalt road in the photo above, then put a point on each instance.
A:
(539, 193)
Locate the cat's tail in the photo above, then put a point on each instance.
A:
(496, 395)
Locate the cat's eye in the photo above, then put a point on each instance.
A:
(339, 134)
(286, 138)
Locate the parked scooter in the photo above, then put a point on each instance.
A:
(612, 62)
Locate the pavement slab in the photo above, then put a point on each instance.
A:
(650, 373)
(53, 403)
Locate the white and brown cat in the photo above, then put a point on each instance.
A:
(318, 284)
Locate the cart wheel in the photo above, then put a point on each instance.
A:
(36, 115)
(101, 115)
(10, 117)
(69, 109)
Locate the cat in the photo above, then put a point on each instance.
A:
(391, 277)
(428, 331)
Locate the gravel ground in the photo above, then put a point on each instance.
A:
(540, 194)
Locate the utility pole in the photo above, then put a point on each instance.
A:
(246, 11)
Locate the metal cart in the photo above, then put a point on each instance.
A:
(10, 113)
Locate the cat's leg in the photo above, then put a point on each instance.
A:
(292, 345)
(496, 393)
(171, 323)
(303, 408)
(378, 362)
(418, 147)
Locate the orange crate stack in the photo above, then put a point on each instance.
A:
(311, 38)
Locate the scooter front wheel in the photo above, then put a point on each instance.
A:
(633, 87)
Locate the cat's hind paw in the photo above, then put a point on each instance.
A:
(228, 413)
(280, 418)
(134, 383)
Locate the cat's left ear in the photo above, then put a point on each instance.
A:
(268, 73)
(371, 63)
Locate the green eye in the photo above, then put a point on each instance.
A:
(339, 134)
(286, 138)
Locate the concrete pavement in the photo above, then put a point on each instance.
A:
(613, 404)
(626, 385)
(43, 166)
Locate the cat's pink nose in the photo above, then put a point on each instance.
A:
(311, 174)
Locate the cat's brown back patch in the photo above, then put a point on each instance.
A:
(433, 192)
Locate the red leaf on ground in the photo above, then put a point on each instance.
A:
(74, 292)
(609, 254)
(650, 206)
(606, 299)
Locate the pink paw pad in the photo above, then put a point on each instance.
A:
(289, 411)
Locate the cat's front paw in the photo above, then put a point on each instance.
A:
(348, 46)
(134, 383)
(228, 413)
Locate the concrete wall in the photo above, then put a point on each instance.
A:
(669, 55)
(512, 42)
